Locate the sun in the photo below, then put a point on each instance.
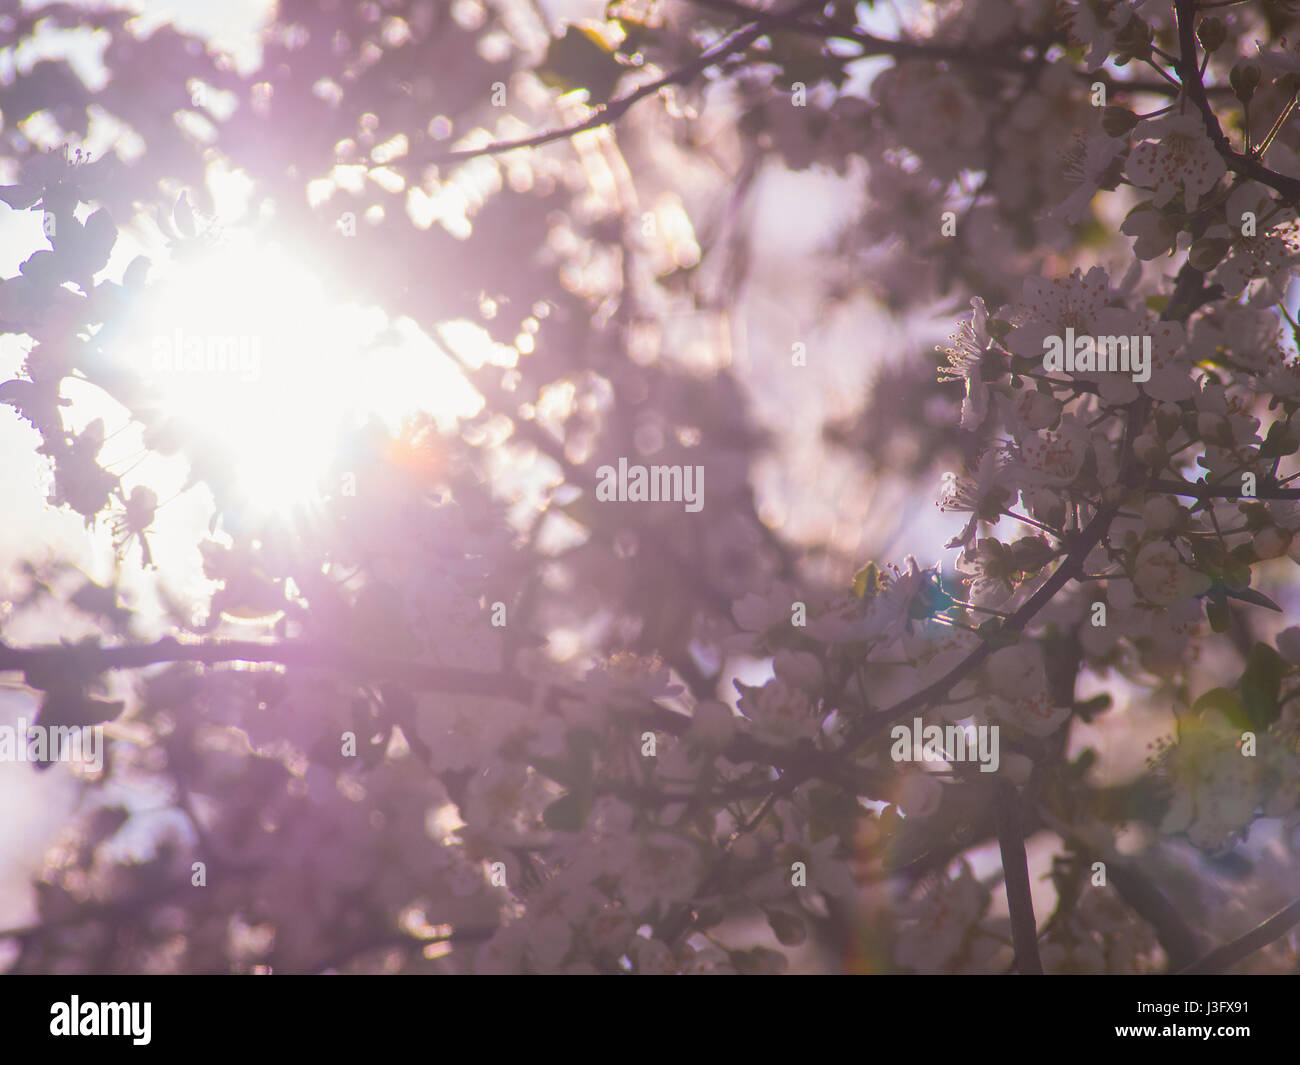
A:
(242, 347)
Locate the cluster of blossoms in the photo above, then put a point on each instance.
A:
(940, 930)
(1098, 935)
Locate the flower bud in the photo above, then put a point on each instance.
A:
(1117, 121)
(1133, 41)
(1236, 575)
(1244, 78)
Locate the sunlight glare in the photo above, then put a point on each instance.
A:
(242, 344)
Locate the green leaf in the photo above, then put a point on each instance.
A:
(1223, 701)
(931, 599)
(1278, 442)
(1261, 683)
(1216, 609)
(581, 60)
(1249, 595)
(638, 36)
(867, 582)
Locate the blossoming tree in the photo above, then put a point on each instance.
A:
(460, 715)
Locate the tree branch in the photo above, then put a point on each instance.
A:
(1084, 542)
(1151, 904)
(871, 44)
(1009, 60)
(1179, 308)
(612, 111)
(92, 659)
(1015, 873)
(96, 910)
(89, 660)
(738, 41)
(1190, 74)
(1211, 491)
(1137, 891)
(1226, 956)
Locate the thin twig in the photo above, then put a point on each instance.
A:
(1189, 73)
(612, 111)
(1226, 956)
(1215, 491)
